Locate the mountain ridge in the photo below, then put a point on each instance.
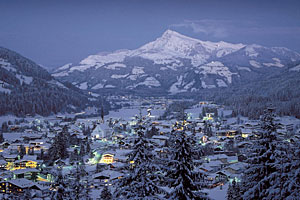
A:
(175, 63)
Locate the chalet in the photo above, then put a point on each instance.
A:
(222, 176)
(246, 132)
(30, 173)
(108, 175)
(17, 186)
(3, 164)
(236, 168)
(10, 157)
(227, 133)
(160, 140)
(107, 158)
(25, 163)
(161, 152)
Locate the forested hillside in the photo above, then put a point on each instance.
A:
(26, 88)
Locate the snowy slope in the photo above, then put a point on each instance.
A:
(176, 63)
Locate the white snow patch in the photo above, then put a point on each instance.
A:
(254, 63)
(114, 66)
(150, 81)
(189, 85)
(163, 68)
(104, 58)
(204, 85)
(276, 64)
(24, 79)
(97, 86)
(217, 68)
(83, 86)
(250, 50)
(80, 68)
(221, 83)
(5, 90)
(244, 68)
(117, 76)
(64, 67)
(6, 65)
(138, 70)
(297, 68)
(174, 89)
(59, 84)
(59, 74)
(110, 86)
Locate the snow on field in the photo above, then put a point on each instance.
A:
(129, 113)
(216, 67)
(97, 86)
(114, 66)
(24, 79)
(117, 76)
(5, 90)
(83, 86)
(138, 70)
(63, 73)
(255, 64)
(110, 86)
(250, 50)
(244, 68)
(6, 65)
(221, 83)
(218, 193)
(276, 64)
(64, 67)
(194, 112)
(150, 81)
(297, 68)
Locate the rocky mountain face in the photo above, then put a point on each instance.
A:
(175, 63)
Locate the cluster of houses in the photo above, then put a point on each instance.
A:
(225, 141)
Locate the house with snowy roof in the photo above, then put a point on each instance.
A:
(18, 186)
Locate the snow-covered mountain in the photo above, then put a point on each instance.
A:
(176, 63)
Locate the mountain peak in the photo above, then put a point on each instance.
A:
(170, 32)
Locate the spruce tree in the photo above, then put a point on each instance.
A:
(261, 160)
(59, 185)
(184, 182)
(105, 194)
(78, 182)
(140, 182)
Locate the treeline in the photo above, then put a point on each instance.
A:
(250, 99)
(45, 100)
(41, 95)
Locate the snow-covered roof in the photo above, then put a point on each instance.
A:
(109, 174)
(22, 183)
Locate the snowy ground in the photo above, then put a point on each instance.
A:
(128, 113)
(217, 193)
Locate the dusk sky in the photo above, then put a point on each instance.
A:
(56, 32)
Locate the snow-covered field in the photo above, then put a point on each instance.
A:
(218, 193)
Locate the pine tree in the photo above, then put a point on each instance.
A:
(4, 127)
(233, 192)
(59, 185)
(105, 194)
(256, 178)
(184, 182)
(58, 149)
(140, 182)
(22, 151)
(77, 183)
(1, 137)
